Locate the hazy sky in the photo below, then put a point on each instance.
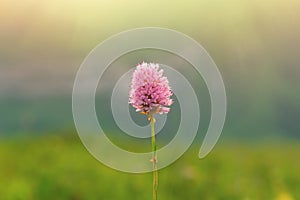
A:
(44, 42)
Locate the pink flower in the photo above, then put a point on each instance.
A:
(150, 90)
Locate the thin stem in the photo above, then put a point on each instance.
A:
(154, 159)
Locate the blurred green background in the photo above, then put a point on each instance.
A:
(254, 43)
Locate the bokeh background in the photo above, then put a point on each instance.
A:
(254, 43)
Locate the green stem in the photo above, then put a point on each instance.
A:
(154, 159)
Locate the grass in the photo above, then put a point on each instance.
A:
(59, 167)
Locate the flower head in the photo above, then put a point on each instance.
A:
(150, 90)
